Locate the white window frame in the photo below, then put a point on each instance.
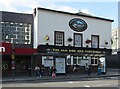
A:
(77, 60)
(94, 58)
(79, 41)
(57, 39)
(95, 41)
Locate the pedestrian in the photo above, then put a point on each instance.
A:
(29, 69)
(74, 68)
(42, 70)
(38, 71)
(99, 67)
(87, 69)
(50, 71)
(54, 71)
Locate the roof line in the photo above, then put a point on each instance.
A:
(16, 12)
(95, 17)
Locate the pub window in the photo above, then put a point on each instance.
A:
(77, 40)
(74, 60)
(69, 61)
(59, 38)
(94, 60)
(95, 41)
(77, 60)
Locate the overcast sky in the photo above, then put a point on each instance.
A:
(101, 8)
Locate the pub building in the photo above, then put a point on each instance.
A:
(65, 39)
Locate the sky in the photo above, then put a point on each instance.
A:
(101, 8)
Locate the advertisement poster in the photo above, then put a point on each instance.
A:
(102, 60)
(60, 65)
(48, 63)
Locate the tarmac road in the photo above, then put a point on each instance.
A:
(84, 82)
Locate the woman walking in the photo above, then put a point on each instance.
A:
(38, 71)
(54, 71)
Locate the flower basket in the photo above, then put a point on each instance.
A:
(69, 39)
(88, 41)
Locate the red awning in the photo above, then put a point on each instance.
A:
(25, 51)
(6, 48)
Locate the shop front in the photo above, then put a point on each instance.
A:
(19, 63)
(64, 58)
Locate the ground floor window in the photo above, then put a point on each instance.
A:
(68, 60)
(94, 60)
(47, 61)
(77, 60)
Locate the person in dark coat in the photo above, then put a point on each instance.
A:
(54, 70)
(87, 69)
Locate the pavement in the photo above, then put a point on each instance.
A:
(109, 73)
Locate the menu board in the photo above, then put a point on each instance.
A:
(60, 65)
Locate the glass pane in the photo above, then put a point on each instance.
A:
(94, 41)
(78, 40)
(69, 61)
(95, 61)
(59, 38)
(92, 61)
(74, 60)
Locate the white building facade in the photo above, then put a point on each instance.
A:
(82, 38)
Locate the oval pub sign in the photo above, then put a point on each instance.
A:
(78, 25)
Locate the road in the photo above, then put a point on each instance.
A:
(84, 82)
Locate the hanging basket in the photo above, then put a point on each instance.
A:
(106, 43)
(88, 41)
(69, 39)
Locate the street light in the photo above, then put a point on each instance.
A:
(115, 37)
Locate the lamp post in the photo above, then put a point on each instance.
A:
(13, 60)
(116, 38)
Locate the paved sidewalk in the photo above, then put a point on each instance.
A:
(110, 73)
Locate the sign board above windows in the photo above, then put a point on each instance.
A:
(78, 25)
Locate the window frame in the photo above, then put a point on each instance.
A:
(55, 38)
(77, 59)
(92, 40)
(81, 39)
(94, 58)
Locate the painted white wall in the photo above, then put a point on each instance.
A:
(47, 22)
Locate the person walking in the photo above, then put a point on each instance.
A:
(50, 71)
(87, 69)
(29, 69)
(99, 68)
(38, 71)
(54, 72)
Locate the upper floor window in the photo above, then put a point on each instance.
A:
(18, 33)
(59, 38)
(95, 41)
(78, 40)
